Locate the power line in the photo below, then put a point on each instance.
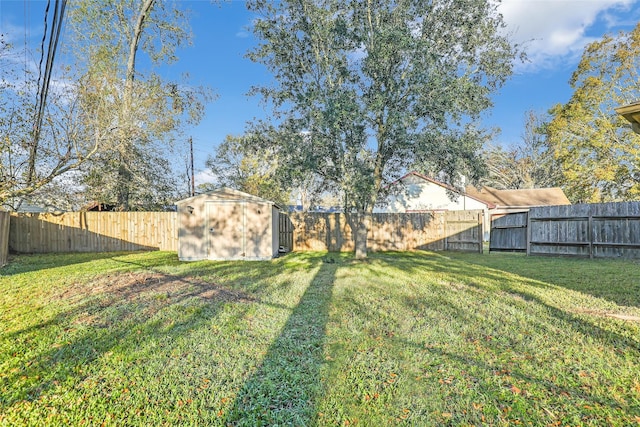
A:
(43, 90)
(44, 38)
(27, 35)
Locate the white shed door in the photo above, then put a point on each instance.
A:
(226, 229)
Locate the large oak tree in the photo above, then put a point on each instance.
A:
(366, 88)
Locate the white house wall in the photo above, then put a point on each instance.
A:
(420, 195)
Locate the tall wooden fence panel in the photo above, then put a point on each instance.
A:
(285, 232)
(463, 230)
(452, 230)
(509, 233)
(4, 237)
(603, 230)
(93, 232)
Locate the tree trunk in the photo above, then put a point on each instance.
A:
(125, 176)
(363, 223)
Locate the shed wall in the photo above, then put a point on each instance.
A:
(258, 236)
(221, 227)
(192, 240)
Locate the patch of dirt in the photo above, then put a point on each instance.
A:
(141, 286)
(624, 317)
(621, 316)
(116, 298)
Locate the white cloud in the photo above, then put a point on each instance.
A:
(557, 30)
(205, 177)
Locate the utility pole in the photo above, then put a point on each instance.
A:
(193, 175)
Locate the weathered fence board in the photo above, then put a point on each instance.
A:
(93, 232)
(451, 230)
(602, 230)
(4, 237)
(509, 233)
(463, 230)
(285, 230)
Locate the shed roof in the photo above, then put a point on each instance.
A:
(521, 197)
(231, 194)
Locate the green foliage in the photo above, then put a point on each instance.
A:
(247, 164)
(597, 148)
(364, 89)
(110, 127)
(318, 339)
(133, 111)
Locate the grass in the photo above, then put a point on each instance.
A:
(319, 339)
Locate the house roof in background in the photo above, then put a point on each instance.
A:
(494, 198)
(26, 207)
(521, 197)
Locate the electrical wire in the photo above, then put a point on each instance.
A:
(43, 90)
(51, 53)
(44, 38)
(27, 36)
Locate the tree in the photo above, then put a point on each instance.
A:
(104, 111)
(240, 163)
(43, 140)
(528, 165)
(364, 88)
(132, 108)
(598, 151)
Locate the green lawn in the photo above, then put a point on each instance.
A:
(319, 339)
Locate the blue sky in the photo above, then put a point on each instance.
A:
(554, 31)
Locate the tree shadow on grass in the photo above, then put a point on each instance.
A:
(600, 278)
(285, 387)
(24, 263)
(499, 384)
(127, 312)
(449, 284)
(467, 273)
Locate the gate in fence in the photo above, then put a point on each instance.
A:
(509, 233)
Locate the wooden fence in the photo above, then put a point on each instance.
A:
(93, 232)
(509, 233)
(452, 230)
(128, 231)
(603, 230)
(4, 237)
(285, 232)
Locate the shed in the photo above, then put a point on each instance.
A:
(227, 224)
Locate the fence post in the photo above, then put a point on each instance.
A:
(5, 219)
(590, 233)
(480, 232)
(446, 231)
(529, 232)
